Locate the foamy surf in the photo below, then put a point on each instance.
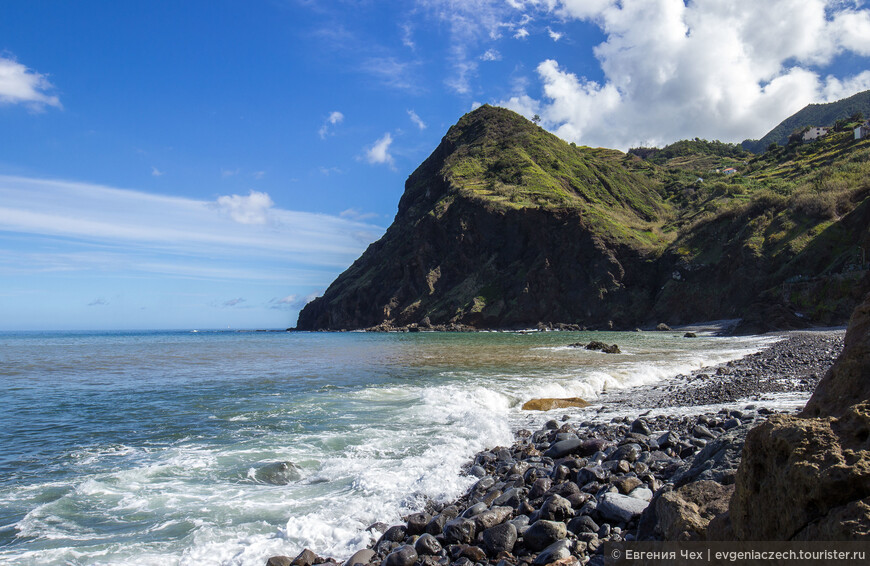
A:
(179, 458)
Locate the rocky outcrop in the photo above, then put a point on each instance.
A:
(507, 226)
(807, 477)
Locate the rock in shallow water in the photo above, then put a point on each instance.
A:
(277, 473)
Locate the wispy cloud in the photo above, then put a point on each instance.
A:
(21, 85)
(335, 117)
(379, 152)
(355, 214)
(231, 237)
(98, 303)
(230, 172)
(521, 33)
(392, 72)
(292, 302)
(554, 35)
(491, 55)
(416, 119)
(156, 172)
(233, 302)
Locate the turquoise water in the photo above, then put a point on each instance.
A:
(229, 447)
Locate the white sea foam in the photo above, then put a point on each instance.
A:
(365, 454)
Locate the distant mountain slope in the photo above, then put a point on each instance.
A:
(506, 225)
(812, 115)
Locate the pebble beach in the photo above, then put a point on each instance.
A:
(596, 474)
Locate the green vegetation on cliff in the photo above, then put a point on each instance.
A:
(507, 225)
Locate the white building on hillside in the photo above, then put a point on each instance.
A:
(862, 131)
(815, 133)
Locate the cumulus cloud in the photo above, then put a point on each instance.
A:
(21, 85)
(333, 119)
(672, 70)
(379, 152)
(416, 119)
(252, 209)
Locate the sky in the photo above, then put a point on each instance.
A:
(217, 163)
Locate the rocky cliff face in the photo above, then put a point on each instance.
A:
(506, 225)
(807, 477)
(474, 244)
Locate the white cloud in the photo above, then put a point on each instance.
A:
(335, 117)
(469, 23)
(491, 55)
(20, 85)
(712, 69)
(379, 152)
(407, 36)
(229, 172)
(521, 33)
(156, 172)
(252, 209)
(416, 119)
(392, 72)
(330, 171)
(355, 214)
(175, 236)
(258, 174)
(554, 35)
(292, 302)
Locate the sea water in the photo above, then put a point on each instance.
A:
(229, 447)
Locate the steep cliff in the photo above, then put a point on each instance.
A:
(506, 225)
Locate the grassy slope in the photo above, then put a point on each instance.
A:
(782, 200)
(507, 162)
(778, 218)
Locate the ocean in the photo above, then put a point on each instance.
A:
(222, 447)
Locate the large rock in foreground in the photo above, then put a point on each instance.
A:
(808, 477)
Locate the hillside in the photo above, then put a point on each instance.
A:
(812, 115)
(506, 225)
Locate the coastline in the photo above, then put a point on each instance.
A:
(595, 475)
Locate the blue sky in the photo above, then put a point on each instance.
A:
(205, 164)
